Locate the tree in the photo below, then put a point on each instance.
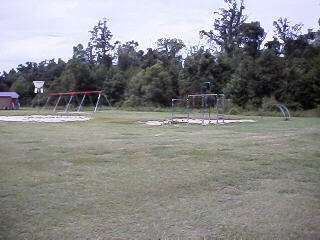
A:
(227, 27)
(151, 87)
(24, 88)
(128, 56)
(3, 85)
(301, 85)
(168, 52)
(8, 79)
(101, 43)
(90, 54)
(114, 85)
(150, 58)
(284, 31)
(274, 46)
(80, 53)
(169, 48)
(251, 37)
(75, 77)
(199, 67)
(241, 86)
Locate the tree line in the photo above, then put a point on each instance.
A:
(236, 59)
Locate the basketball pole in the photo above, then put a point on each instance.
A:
(38, 88)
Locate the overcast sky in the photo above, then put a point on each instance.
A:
(35, 30)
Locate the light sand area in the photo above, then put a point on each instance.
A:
(44, 118)
(197, 121)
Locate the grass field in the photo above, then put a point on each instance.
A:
(114, 178)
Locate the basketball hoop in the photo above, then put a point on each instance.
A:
(38, 86)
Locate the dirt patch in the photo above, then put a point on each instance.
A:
(197, 121)
(44, 118)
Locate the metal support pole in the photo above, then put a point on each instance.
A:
(67, 107)
(56, 105)
(98, 100)
(45, 105)
(217, 108)
(107, 100)
(223, 108)
(172, 106)
(203, 110)
(188, 109)
(209, 114)
(82, 100)
(38, 102)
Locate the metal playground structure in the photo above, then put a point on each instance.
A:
(76, 101)
(208, 107)
(284, 110)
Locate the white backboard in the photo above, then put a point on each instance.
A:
(38, 86)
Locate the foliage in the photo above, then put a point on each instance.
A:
(100, 42)
(151, 87)
(199, 67)
(76, 76)
(286, 69)
(227, 25)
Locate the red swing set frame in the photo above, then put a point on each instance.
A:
(73, 95)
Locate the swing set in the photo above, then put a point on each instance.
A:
(76, 101)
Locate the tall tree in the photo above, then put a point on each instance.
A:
(286, 32)
(128, 55)
(199, 67)
(80, 53)
(169, 48)
(251, 37)
(227, 26)
(151, 87)
(76, 76)
(101, 42)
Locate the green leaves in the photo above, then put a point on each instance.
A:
(151, 87)
(285, 70)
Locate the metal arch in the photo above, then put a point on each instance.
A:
(284, 110)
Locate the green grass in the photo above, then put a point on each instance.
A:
(115, 178)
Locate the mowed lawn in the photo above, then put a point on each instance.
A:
(115, 178)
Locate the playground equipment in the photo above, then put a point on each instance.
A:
(205, 102)
(38, 88)
(284, 110)
(178, 108)
(208, 102)
(77, 100)
(199, 103)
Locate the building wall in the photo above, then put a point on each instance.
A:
(7, 103)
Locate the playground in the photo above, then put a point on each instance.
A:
(114, 177)
(191, 172)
